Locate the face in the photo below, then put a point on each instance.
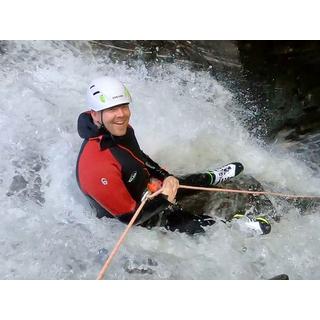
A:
(115, 119)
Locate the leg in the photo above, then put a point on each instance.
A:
(175, 218)
(185, 222)
(212, 178)
(209, 178)
(195, 179)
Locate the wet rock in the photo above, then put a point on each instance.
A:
(18, 183)
(152, 262)
(277, 81)
(221, 55)
(225, 205)
(280, 277)
(283, 77)
(102, 255)
(77, 264)
(27, 181)
(306, 206)
(103, 251)
(140, 267)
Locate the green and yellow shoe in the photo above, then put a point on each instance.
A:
(259, 224)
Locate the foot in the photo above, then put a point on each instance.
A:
(225, 173)
(258, 224)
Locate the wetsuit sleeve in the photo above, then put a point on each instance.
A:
(154, 169)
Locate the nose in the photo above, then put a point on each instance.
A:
(120, 112)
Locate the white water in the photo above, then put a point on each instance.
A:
(184, 121)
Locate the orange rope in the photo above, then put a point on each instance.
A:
(249, 192)
(123, 235)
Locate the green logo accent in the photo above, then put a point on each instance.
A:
(102, 98)
(126, 92)
(262, 219)
(211, 177)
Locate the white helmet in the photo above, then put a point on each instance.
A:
(106, 92)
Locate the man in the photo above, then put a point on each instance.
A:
(114, 173)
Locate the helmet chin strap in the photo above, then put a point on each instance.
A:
(101, 122)
(102, 125)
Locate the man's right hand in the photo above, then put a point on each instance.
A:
(170, 187)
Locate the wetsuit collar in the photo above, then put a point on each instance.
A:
(107, 141)
(88, 130)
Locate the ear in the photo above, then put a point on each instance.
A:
(95, 115)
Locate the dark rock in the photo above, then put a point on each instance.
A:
(27, 182)
(140, 267)
(102, 255)
(18, 183)
(282, 76)
(225, 205)
(280, 277)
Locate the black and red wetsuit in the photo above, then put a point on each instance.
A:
(114, 173)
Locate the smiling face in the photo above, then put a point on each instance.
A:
(115, 119)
